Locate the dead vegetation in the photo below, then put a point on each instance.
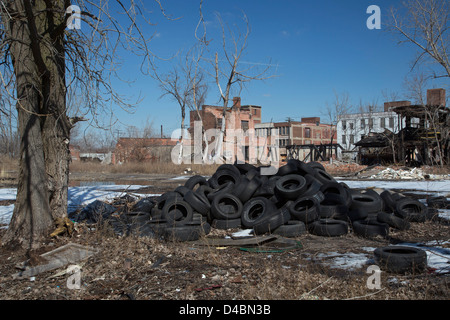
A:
(146, 268)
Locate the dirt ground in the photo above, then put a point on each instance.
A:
(142, 268)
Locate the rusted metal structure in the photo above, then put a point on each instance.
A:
(317, 152)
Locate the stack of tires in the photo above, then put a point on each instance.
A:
(301, 197)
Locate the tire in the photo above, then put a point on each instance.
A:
(333, 207)
(226, 206)
(137, 217)
(438, 202)
(366, 201)
(225, 188)
(388, 201)
(401, 259)
(181, 233)
(411, 210)
(370, 228)
(224, 176)
(195, 181)
(328, 228)
(246, 188)
(197, 203)
(177, 211)
(339, 189)
(157, 226)
(357, 214)
(270, 223)
(305, 209)
(229, 167)
(323, 176)
(316, 165)
(292, 229)
(182, 190)
(244, 167)
(204, 228)
(288, 168)
(393, 221)
(302, 168)
(291, 186)
(203, 191)
(256, 209)
(226, 224)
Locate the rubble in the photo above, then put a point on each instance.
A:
(407, 174)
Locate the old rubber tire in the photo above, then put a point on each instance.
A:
(333, 207)
(270, 223)
(177, 211)
(328, 228)
(401, 259)
(410, 209)
(290, 186)
(288, 168)
(195, 181)
(393, 221)
(226, 206)
(291, 229)
(182, 233)
(366, 201)
(370, 228)
(305, 209)
(256, 209)
(224, 176)
(197, 202)
(225, 188)
(224, 224)
(323, 176)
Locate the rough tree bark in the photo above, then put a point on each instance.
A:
(38, 62)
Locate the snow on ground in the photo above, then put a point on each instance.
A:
(438, 256)
(78, 197)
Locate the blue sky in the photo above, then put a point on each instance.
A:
(319, 47)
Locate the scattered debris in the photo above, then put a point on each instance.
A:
(71, 253)
(407, 174)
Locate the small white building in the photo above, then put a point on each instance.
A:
(351, 128)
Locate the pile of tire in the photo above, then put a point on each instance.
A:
(300, 198)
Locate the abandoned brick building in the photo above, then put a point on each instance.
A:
(282, 135)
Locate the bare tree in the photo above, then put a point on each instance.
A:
(341, 106)
(186, 84)
(425, 24)
(230, 72)
(44, 59)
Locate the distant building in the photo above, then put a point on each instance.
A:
(143, 149)
(308, 131)
(352, 128)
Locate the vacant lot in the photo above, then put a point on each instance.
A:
(145, 268)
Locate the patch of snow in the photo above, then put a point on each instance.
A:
(427, 185)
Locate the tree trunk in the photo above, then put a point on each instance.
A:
(38, 61)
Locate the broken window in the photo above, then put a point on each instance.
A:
(391, 122)
(351, 125)
(344, 139)
(244, 125)
(344, 125)
(363, 123)
(352, 139)
(307, 132)
(382, 122)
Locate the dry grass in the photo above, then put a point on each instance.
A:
(145, 268)
(144, 167)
